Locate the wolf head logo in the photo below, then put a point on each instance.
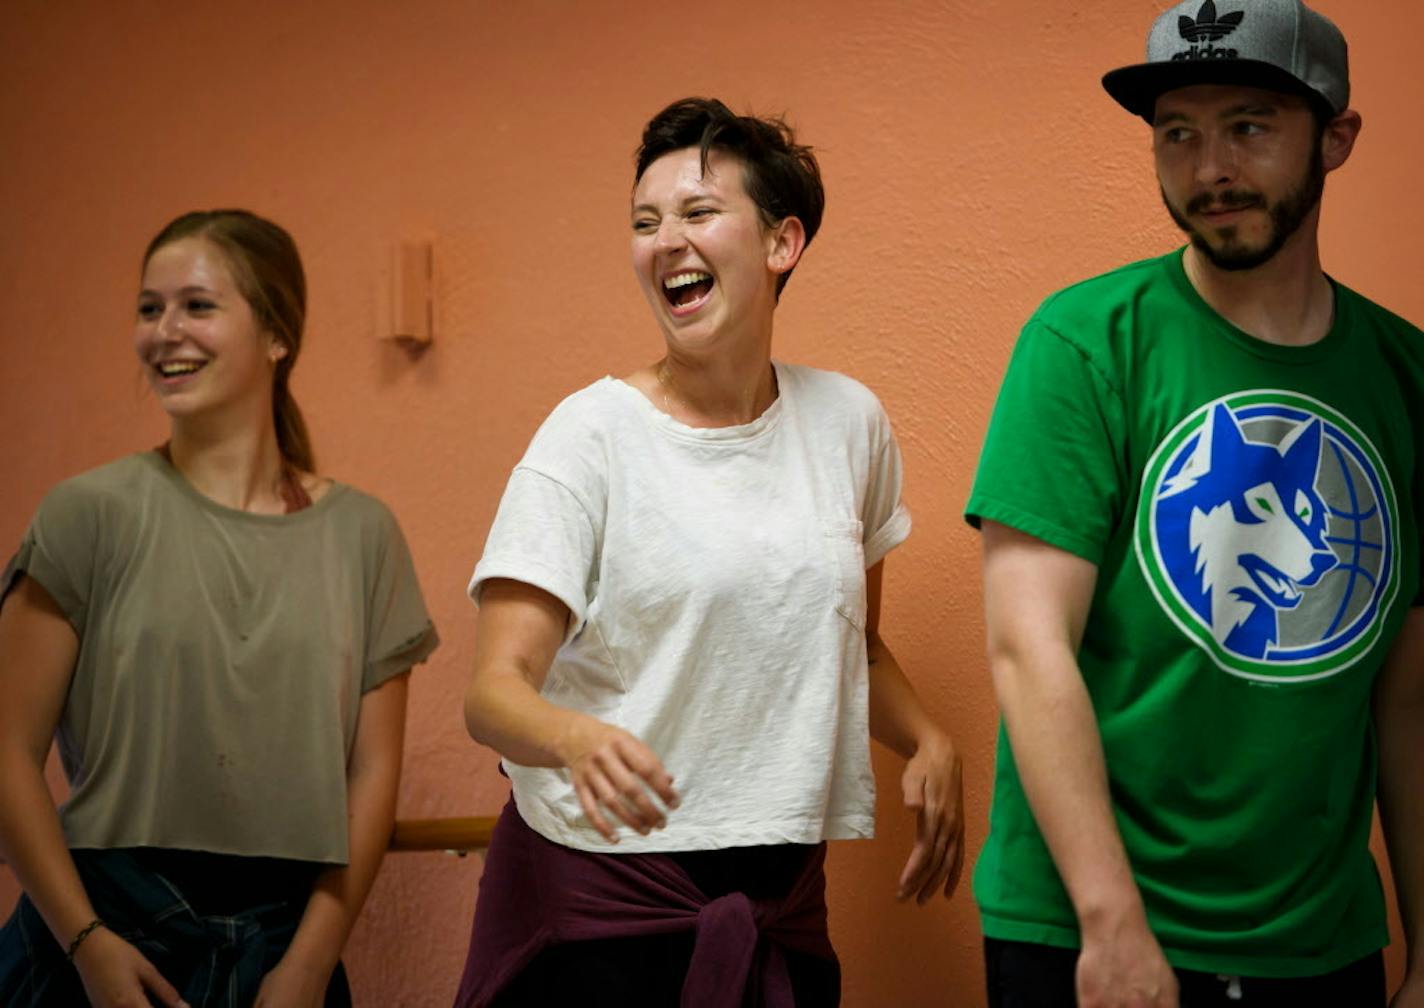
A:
(1266, 531)
(1256, 526)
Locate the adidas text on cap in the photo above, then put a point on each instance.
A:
(1278, 45)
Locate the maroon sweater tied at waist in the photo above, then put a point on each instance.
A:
(535, 893)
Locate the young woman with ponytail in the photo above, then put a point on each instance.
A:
(219, 638)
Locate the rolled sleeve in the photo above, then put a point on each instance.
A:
(542, 536)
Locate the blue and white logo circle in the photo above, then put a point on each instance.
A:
(1267, 531)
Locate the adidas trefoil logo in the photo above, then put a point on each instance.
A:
(1208, 27)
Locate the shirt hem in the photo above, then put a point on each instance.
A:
(1035, 525)
(327, 860)
(1197, 960)
(515, 568)
(895, 531)
(702, 837)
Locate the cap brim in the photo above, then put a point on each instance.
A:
(1137, 88)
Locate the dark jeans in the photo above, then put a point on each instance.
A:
(1025, 975)
(213, 925)
(648, 972)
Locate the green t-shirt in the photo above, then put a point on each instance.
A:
(222, 658)
(1254, 512)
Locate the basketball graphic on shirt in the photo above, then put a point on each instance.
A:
(1266, 529)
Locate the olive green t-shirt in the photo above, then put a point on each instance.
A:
(1254, 512)
(222, 658)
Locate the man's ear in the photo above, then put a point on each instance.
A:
(1338, 140)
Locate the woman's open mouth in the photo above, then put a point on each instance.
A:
(176, 370)
(687, 291)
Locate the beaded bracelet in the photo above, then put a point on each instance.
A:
(79, 938)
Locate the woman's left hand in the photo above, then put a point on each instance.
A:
(934, 789)
(292, 985)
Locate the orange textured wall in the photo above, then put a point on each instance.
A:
(973, 165)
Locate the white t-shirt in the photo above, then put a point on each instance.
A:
(715, 580)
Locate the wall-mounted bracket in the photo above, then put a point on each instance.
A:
(413, 294)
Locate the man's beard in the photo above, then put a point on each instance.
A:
(1286, 214)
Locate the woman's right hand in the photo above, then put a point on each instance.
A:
(116, 975)
(614, 771)
(519, 632)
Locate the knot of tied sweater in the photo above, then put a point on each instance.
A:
(536, 893)
(725, 965)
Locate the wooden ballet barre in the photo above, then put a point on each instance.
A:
(457, 836)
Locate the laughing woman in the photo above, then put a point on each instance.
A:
(678, 652)
(220, 637)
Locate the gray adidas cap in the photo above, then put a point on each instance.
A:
(1279, 45)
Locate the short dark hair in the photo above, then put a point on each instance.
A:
(780, 175)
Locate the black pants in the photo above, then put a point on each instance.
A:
(647, 972)
(1025, 975)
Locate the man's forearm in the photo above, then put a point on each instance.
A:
(1059, 755)
(1401, 768)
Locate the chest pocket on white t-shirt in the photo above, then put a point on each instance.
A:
(847, 552)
